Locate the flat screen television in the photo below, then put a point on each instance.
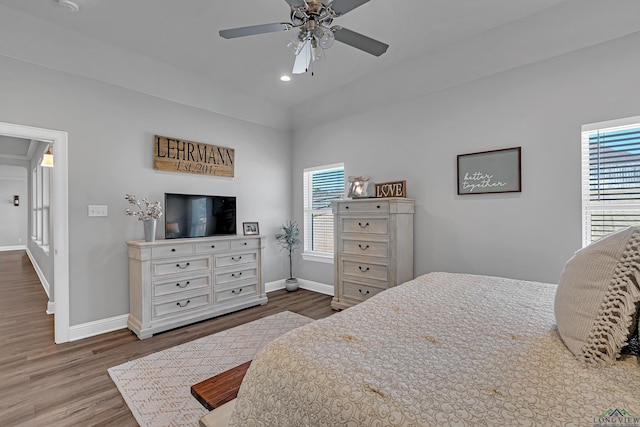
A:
(192, 215)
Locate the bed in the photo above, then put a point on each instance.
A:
(442, 349)
(450, 349)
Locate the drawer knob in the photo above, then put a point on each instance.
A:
(185, 266)
(378, 206)
(364, 248)
(236, 259)
(245, 243)
(213, 246)
(180, 285)
(185, 304)
(346, 207)
(363, 225)
(236, 291)
(363, 293)
(173, 249)
(364, 270)
(236, 274)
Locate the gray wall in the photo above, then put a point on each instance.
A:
(111, 132)
(13, 181)
(540, 107)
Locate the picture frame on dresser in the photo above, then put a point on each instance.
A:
(250, 228)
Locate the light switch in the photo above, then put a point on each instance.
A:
(98, 210)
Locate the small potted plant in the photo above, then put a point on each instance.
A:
(147, 212)
(288, 239)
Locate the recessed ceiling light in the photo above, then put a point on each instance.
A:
(71, 6)
(285, 78)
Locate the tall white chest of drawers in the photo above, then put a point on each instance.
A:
(373, 248)
(180, 281)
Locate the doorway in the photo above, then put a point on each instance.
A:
(60, 218)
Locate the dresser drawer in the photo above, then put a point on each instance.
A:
(365, 270)
(181, 285)
(244, 244)
(359, 292)
(368, 206)
(235, 259)
(236, 275)
(365, 225)
(180, 306)
(171, 250)
(365, 248)
(164, 268)
(236, 292)
(212, 247)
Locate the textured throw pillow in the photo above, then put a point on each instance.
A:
(597, 296)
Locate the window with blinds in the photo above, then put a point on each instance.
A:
(40, 206)
(321, 186)
(610, 178)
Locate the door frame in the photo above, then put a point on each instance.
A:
(60, 214)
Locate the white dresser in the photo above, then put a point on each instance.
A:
(373, 247)
(180, 281)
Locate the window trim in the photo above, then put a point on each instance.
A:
(41, 207)
(310, 255)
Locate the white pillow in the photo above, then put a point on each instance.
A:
(597, 297)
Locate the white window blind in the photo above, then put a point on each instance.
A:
(321, 186)
(610, 179)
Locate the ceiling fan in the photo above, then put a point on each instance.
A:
(313, 19)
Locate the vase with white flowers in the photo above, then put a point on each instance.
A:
(147, 212)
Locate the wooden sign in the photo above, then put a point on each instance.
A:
(391, 189)
(177, 155)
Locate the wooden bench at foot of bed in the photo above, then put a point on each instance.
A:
(221, 388)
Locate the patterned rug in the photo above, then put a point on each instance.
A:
(157, 387)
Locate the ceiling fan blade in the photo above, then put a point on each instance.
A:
(343, 6)
(253, 30)
(297, 3)
(303, 59)
(357, 40)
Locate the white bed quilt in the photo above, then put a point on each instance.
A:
(443, 349)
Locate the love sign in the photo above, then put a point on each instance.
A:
(391, 189)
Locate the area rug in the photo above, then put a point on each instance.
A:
(157, 387)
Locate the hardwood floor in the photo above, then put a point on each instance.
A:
(44, 384)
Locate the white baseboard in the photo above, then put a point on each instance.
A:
(90, 329)
(51, 309)
(309, 285)
(12, 248)
(103, 326)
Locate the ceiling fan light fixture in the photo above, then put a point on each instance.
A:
(326, 39)
(317, 53)
(313, 19)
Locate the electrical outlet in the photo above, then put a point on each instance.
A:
(98, 210)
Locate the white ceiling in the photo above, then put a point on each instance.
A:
(17, 148)
(185, 34)
(422, 34)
